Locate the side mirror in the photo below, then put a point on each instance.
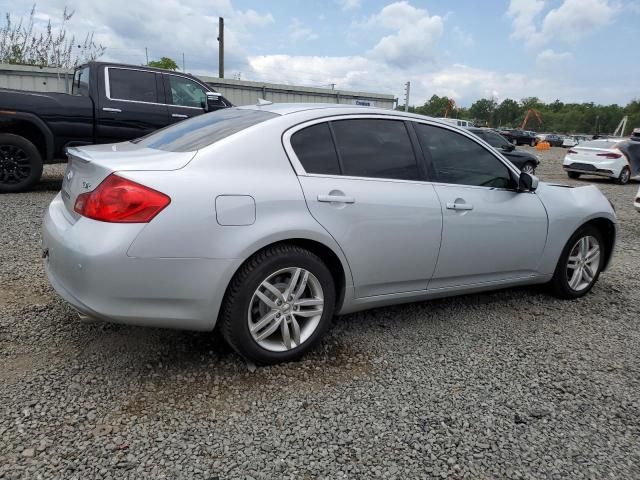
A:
(213, 101)
(527, 182)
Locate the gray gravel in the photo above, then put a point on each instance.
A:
(512, 384)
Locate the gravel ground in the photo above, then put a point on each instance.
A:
(511, 384)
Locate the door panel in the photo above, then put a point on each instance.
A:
(132, 107)
(389, 230)
(488, 235)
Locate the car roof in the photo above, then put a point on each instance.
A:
(327, 109)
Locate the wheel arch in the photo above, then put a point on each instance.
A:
(608, 231)
(32, 128)
(336, 263)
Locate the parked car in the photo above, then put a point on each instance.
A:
(614, 158)
(569, 141)
(636, 202)
(109, 103)
(268, 219)
(524, 161)
(519, 137)
(554, 140)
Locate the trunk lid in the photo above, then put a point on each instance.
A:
(89, 166)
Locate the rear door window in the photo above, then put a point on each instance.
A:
(135, 85)
(315, 149)
(375, 148)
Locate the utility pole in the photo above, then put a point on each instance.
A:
(146, 54)
(220, 47)
(407, 88)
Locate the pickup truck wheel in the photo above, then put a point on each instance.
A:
(20, 163)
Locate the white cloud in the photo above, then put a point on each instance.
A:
(414, 36)
(550, 60)
(463, 38)
(346, 5)
(298, 31)
(571, 21)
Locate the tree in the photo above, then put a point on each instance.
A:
(507, 112)
(164, 62)
(20, 43)
(483, 110)
(434, 107)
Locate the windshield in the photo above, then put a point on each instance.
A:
(203, 130)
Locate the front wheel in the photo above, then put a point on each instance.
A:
(625, 176)
(278, 305)
(20, 163)
(574, 175)
(529, 168)
(580, 264)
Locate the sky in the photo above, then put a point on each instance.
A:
(572, 50)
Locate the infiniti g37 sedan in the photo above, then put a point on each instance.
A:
(265, 221)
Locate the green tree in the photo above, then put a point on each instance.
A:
(482, 110)
(164, 62)
(507, 113)
(21, 43)
(434, 107)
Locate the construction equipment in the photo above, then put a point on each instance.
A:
(451, 105)
(528, 115)
(621, 126)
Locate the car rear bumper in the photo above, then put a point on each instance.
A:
(87, 264)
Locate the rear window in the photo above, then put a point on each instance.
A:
(203, 130)
(599, 144)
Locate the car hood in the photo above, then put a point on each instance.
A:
(566, 201)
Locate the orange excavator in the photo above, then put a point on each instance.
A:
(531, 111)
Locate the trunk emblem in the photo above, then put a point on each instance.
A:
(69, 175)
(86, 185)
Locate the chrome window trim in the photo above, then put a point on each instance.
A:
(107, 88)
(300, 171)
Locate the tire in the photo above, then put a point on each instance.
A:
(243, 306)
(529, 168)
(20, 163)
(532, 143)
(625, 176)
(561, 283)
(514, 142)
(574, 175)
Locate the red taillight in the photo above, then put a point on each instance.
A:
(610, 155)
(571, 152)
(118, 200)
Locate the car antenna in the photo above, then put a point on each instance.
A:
(262, 101)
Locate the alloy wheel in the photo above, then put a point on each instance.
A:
(15, 166)
(285, 310)
(583, 263)
(528, 168)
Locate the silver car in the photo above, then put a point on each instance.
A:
(270, 219)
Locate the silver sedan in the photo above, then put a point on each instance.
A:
(268, 220)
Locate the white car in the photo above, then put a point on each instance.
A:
(568, 142)
(600, 157)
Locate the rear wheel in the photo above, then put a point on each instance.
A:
(580, 264)
(278, 305)
(20, 163)
(573, 175)
(624, 177)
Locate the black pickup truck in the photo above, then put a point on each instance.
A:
(109, 103)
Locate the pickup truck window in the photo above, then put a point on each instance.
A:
(134, 85)
(81, 82)
(203, 130)
(185, 92)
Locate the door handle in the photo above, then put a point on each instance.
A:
(336, 199)
(179, 115)
(109, 109)
(459, 206)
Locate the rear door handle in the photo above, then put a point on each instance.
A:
(109, 109)
(179, 115)
(459, 206)
(336, 199)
